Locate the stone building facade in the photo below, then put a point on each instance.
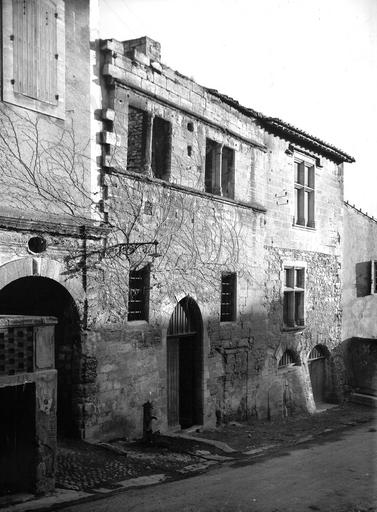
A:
(47, 225)
(190, 248)
(243, 312)
(359, 329)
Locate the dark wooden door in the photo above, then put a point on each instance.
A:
(186, 381)
(173, 381)
(317, 378)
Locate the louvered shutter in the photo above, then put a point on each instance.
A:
(35, 48)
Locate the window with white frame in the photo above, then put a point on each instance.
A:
(294, 296)
(304, 192)
(34, 55)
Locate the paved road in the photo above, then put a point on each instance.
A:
(336, 474)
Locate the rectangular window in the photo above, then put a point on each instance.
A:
(161, 148)
(136, 139)
(294, 297)
(228, 297)
(373, 283)
(138, 294)
(34, 55)
(304, 193)
(219, 169)
(148, 144)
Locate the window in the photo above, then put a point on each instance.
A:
(304, 193)
(289, 358)
(161, 148)
(219, 169)
(148, 144)
(294, 296)
(228, 297)
(138, 294)
(373, 283)
(33, 55)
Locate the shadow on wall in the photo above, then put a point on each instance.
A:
(363, 278)
(264, 382)
(362, 365)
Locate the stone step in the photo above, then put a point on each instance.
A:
(368, 400)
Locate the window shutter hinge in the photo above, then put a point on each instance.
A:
(57, 96)
(56, 56)
(13, 81)
(11, 37)
(56, 15)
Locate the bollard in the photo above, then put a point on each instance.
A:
(147, 422)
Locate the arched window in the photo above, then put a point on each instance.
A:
(317, 352)
(289, 358)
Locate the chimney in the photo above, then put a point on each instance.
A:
(145, 45)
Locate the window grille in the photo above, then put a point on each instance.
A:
(138, 294)
(16, 350)
(228, 297)
(316, 353)
(287, 358)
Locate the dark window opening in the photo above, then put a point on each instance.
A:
(228, 297)
(136, 139)
(219, 169)
(138, 294)
(161, 148)
(190, 126)
(189, 150)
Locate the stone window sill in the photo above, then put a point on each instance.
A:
(296, 328)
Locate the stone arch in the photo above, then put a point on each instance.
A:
(36, 286)
(43, 267)
(282, 349)
(318, 361)
(184, 349)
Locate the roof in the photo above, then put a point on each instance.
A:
(286, 130)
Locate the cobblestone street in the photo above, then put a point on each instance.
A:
(84, 466)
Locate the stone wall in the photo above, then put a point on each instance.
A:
(360, 249)
(201, 235)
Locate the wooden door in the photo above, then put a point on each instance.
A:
(317, 378)
(186, 382)
(173, 381)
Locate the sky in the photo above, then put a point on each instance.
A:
(312, 63)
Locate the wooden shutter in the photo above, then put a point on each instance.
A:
(35, 49)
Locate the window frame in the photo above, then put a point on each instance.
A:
(373, 277)
(214, 178)
(232, 315)
(144, 274)
(150, 152)
(304, 179)
(9, 95)
(293, 314)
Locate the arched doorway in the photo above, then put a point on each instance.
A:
(185, 365)
(43, 296)
(317, 362)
